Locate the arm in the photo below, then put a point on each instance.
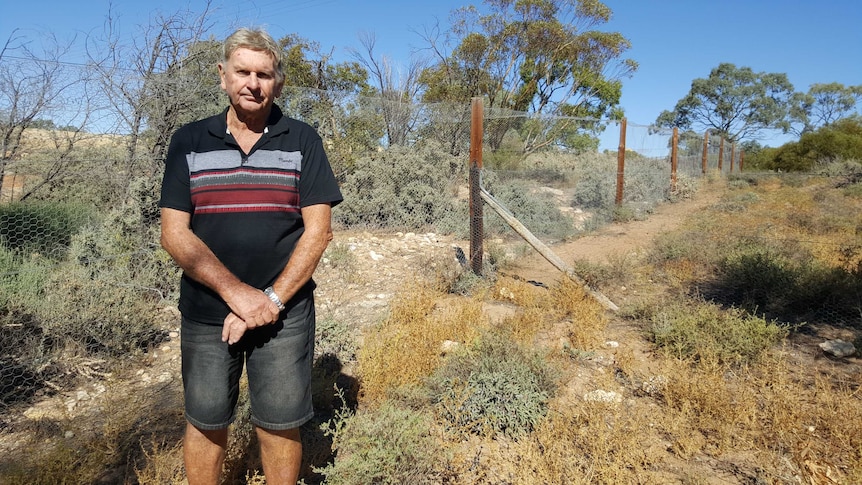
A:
(317, 220)
(249, 304)
(309, 249)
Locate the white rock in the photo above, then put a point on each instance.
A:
(375, 256)
(603, 396)
(838, 348)
(448, 346)
(611, 344)
(654, 385)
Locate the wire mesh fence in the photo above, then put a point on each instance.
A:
(82, 276)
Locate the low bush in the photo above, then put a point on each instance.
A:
(704, 332)
(42, 228)
(411, 188)
(492, 387)
(387, 445)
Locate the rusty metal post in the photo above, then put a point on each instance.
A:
(720, 154)
(705, 152)
(621, 163)
(476, 213)
(674, 158)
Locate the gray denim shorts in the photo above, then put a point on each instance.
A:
(278, 360)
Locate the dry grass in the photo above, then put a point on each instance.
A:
(735, 400)
(709, 392)
(407, 346)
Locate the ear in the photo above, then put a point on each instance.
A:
(221, 74)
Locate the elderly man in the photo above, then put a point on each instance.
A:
(245, 205)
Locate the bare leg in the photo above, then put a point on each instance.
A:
(203, 452)
(281, 454)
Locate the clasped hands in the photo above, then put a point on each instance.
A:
(250, 308)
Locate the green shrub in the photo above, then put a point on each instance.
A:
(404, 188)
(784, 282)
(387, 445)
(41, 228)
(838, 142)
(705, 332)
(536, 210)
(493, 387)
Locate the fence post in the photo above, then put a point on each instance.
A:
(621, 163)
(705, 152)
(476, 214)
(720, 154)
(741, 159)
(674, 158)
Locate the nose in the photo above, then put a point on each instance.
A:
(253, 82)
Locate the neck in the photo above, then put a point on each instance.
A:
(237, 122)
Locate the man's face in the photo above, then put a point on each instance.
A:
(249, 79)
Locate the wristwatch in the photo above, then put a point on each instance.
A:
(275, 299)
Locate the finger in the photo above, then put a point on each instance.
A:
(237, 330)
(231, 321)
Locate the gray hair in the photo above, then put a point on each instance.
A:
(256, 40)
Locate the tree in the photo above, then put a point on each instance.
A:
(536, 56)
(396, 92)
(822, 105)
(332, 97)
(146, 84)
(37, 85)
(735, 103)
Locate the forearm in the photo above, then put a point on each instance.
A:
(306, 256)
(198, 262)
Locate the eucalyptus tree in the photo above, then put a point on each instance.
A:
(823, 105)
(735, 103)
(333, 97)
(540, 57)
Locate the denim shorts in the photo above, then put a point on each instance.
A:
(278, 360)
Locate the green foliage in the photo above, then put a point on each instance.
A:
(562, 61)
(387, 445)
(536, 210)
(493, 387)
(783, 281)
(737, 103)
(647, 182)
(334, 337)
(838, 142)
(705, 332)
(42, 228)
(403, 188)
(822, 105)
(21, 280)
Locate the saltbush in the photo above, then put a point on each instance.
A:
(536, 210)
(492, 387)
(830, 144)
(386, 445)
(41, 228)
(404, 188)
(703, 331)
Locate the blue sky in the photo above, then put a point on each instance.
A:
(674, 41)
